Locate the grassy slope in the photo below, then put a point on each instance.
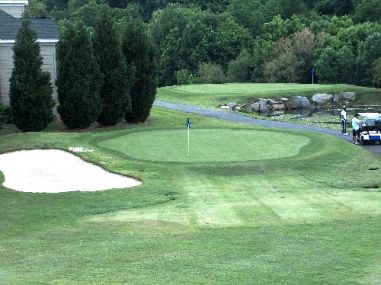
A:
(310, 219)
(212, 95)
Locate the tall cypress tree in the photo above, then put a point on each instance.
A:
(78, 79)
(113, 91)
(30, 88)
(141, 54)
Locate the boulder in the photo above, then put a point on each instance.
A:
(232, 105)
(348, 96)
(271, 101)
(263, 108)
(284, 101)
(298, 102)
(321, 99)
(275, 105)
(254, 107)
(344, 97)
(224, 107)
(278, 106)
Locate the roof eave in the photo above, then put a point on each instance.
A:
(41, 41)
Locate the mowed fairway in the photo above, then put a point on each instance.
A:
(282, 207)
(207, 145)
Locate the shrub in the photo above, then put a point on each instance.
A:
(210, 73)
(184, 77)
(2, 116)
(239, 70)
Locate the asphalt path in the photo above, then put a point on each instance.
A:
(241, 118)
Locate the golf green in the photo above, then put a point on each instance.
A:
(207, 145)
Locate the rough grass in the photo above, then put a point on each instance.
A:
(313, 218)
(213, 95)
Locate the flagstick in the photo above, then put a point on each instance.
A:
(188, 140)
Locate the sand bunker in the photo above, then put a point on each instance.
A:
(54, 171)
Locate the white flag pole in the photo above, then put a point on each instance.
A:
(188, 139)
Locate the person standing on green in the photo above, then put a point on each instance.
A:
(343, 117)
(356, 128)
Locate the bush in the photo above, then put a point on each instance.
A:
(210, 73)
(2, 116)
(184, 77)
(239, 70)
(6, 114)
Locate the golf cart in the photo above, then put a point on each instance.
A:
(370, 129)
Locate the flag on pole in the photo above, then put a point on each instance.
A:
(188, 123)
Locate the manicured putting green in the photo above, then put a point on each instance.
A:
(207, 145)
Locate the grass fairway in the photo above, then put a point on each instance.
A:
(309, 218)
(212, 95)
(207, 145)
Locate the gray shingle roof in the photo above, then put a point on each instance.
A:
(9, 26)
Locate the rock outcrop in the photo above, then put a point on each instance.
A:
(298, 102)
(319, 100)
(344, 97)
(322, 99)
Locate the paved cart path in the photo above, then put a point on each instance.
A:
(240, 118)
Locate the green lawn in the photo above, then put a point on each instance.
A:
(213, 95)
(260, 217)
(207, 145)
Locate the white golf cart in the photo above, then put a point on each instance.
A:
(370, 129)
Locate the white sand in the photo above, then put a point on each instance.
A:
(54, 171)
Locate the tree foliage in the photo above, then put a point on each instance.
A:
(113, 90)
(239, 70)
(30, 88)
(210, 73)
(78, 79)
(370, 51)
(187, 33)
(368, 10)
(141, 55)
(377, 72)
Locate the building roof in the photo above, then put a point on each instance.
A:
(9, 26)
(14, 2)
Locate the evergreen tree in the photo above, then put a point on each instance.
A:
(114, 89)
(140, 53)
(78, 79)
(30, 88)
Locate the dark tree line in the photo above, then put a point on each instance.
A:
(106, 77)
(105, 73)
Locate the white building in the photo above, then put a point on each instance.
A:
(10, 21)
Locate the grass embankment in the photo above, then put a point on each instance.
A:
(310, 218)
(213, 95)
